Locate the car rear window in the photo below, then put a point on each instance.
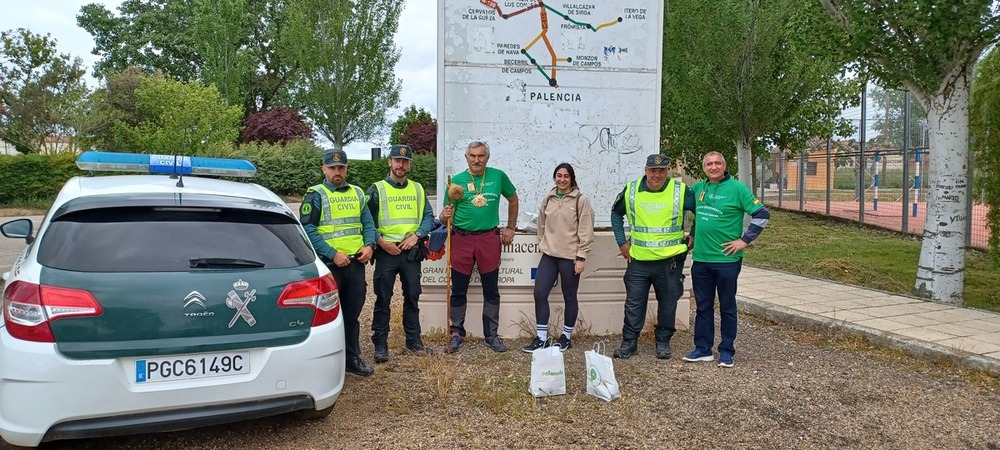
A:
(167, 239)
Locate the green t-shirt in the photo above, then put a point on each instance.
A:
(473, 218)
(719, 218)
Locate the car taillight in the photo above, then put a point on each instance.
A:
(29, 308)
(318, 293)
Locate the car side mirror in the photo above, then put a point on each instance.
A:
(17, 229)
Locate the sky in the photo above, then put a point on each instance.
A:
(416, 38)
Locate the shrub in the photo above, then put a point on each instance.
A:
(277, 126)
(287, 170)
(33, 177)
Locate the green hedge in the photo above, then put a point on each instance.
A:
(287, 170)
(31, 178)
(291, 169)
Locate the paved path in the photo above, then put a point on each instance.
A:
(969, 337)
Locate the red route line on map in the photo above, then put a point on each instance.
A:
(493, 4)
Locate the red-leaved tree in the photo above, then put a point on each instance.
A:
(422, 137)
(279, 125)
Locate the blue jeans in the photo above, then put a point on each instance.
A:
(667, 280)
(707, 280)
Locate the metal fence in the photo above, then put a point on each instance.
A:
(881, 187)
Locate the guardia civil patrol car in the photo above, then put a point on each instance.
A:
(164, 301)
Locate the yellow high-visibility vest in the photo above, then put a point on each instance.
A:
(656, 221)
(400, 210)
(340, 224)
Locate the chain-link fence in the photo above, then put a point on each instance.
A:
(885, 187)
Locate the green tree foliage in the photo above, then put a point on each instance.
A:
(929, 47)
(409, 116)
(229, 43)
(347, 55)
(154, 35)
(111, 104)
(178, 118)
(747, 74)
(39, 90)
(984, 121)
(221, 28)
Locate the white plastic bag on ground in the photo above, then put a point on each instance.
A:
(601, 381)
(548, 373)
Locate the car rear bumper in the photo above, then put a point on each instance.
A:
(176, 419)
(41, 390)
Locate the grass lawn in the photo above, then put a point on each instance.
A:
(854, 254)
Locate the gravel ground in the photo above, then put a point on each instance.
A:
(789, 389)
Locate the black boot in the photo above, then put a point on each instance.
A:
(663, 350)
(417, 348)
(358, 367)
(381, 353)
(628, 348)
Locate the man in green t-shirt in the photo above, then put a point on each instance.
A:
(475, 241)
(719, 240)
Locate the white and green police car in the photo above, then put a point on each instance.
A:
(163, 302)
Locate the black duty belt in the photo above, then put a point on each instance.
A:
(463, 232)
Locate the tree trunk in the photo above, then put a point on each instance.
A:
(744, 158)
(941, 268)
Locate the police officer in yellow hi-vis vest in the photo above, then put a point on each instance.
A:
(403, 218)
(341, 230)
(655, 251)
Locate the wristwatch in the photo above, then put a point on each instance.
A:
(418, 234)
(580, 258)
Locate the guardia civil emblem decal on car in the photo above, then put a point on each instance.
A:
(239, 299)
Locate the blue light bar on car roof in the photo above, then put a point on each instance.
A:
(165, 164)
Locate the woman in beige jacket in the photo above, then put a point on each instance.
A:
(566, 230)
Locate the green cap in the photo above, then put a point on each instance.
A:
(657, 162)
(401, 151)
(335, 158)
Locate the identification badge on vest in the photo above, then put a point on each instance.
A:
(471, 186)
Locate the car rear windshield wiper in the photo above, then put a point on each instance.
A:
(212, 263)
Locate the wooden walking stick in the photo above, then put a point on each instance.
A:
(455, 193)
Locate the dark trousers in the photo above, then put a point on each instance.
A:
(667, 280)
(491, 301)
(707, 280)
(352, 287)
(545, 277)
(386, 268)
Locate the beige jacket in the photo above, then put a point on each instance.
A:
(566, 225)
